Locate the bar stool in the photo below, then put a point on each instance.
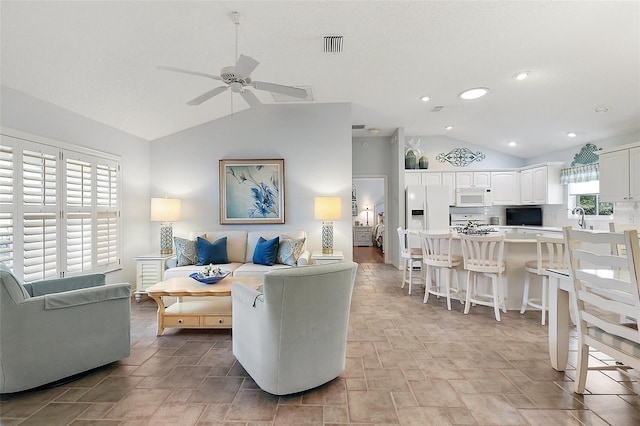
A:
(551, 254)
(409, 256)
(436, 256)
(484, 254)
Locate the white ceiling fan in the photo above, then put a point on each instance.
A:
(238, 79)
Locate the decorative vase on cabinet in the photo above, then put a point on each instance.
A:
(423, 163)
(410, 160)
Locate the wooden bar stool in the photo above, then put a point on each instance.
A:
(437, 257)
(409, 256)
(551, 254)
(483, 255)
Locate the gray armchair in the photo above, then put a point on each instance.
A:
(291, 335)
(56, 328)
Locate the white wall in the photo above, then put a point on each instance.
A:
(28, 114)
(314, 140)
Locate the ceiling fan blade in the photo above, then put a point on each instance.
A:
(251, 99)
(278, 88)
(245, 65)
(180, 70)
(207, 95)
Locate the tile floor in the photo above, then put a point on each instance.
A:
(407, 363)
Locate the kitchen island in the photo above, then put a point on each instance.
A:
(519, 248)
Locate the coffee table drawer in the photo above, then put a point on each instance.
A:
(217, 321)
(181, 321)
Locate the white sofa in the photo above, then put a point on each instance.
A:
(240, 248)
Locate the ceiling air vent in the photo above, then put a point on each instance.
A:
(332, 44)
(437, 108)
(357, 126)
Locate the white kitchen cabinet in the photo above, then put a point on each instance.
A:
(505, 187)
(433, 178)
(480, 179)
(619, 175)
(541, 185)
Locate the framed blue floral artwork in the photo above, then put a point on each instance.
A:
(251, 191)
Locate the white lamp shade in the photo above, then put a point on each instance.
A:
(327, 208)
(165, 209)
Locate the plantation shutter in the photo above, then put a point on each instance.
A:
(107, 213)
(40, 212)
(7, 202)
(78, 209)
(59, 208)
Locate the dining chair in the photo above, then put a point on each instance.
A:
(618, 227)
(411, 256)
(437, 258)
(484, 256)
(605, 287)
(550, 254)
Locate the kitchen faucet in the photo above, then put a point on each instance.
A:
(582, 223)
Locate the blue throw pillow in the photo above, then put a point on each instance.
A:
(266, 252)
(215, 253)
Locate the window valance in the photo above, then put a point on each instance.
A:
(586, 173)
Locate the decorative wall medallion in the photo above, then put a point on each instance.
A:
(586, 156)
(460, 157)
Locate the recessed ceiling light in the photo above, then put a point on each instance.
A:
(511, 143)
(373, 130)
(449, 127)
(572, 134)
(603, 109)
(522, 75)
(425, 98)
(475, 93)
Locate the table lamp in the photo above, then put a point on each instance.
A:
(327, 209)
(165, 210)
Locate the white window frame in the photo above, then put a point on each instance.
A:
(585, 188)
(100, 251)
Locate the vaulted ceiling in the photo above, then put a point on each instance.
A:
(99, 60)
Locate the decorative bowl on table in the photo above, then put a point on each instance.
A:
(209, 275)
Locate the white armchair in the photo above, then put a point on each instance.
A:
(291, 335)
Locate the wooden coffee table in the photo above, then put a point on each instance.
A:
(209, 305)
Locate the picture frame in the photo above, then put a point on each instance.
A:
(252, 191)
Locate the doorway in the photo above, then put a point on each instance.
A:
(369, 203)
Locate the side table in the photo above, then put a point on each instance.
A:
(149, 271)
(320, 258)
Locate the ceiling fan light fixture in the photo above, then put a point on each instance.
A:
(475, 93)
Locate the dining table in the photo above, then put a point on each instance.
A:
(559, 317)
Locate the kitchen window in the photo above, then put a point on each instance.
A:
(586, 195)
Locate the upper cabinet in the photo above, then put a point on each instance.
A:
(505, 187)
(433, 178)
(478, 179)
(541, 185)
(620, 174)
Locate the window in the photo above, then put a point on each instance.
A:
(59, 210)
(586, 195)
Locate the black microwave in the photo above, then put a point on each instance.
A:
(524, 216)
